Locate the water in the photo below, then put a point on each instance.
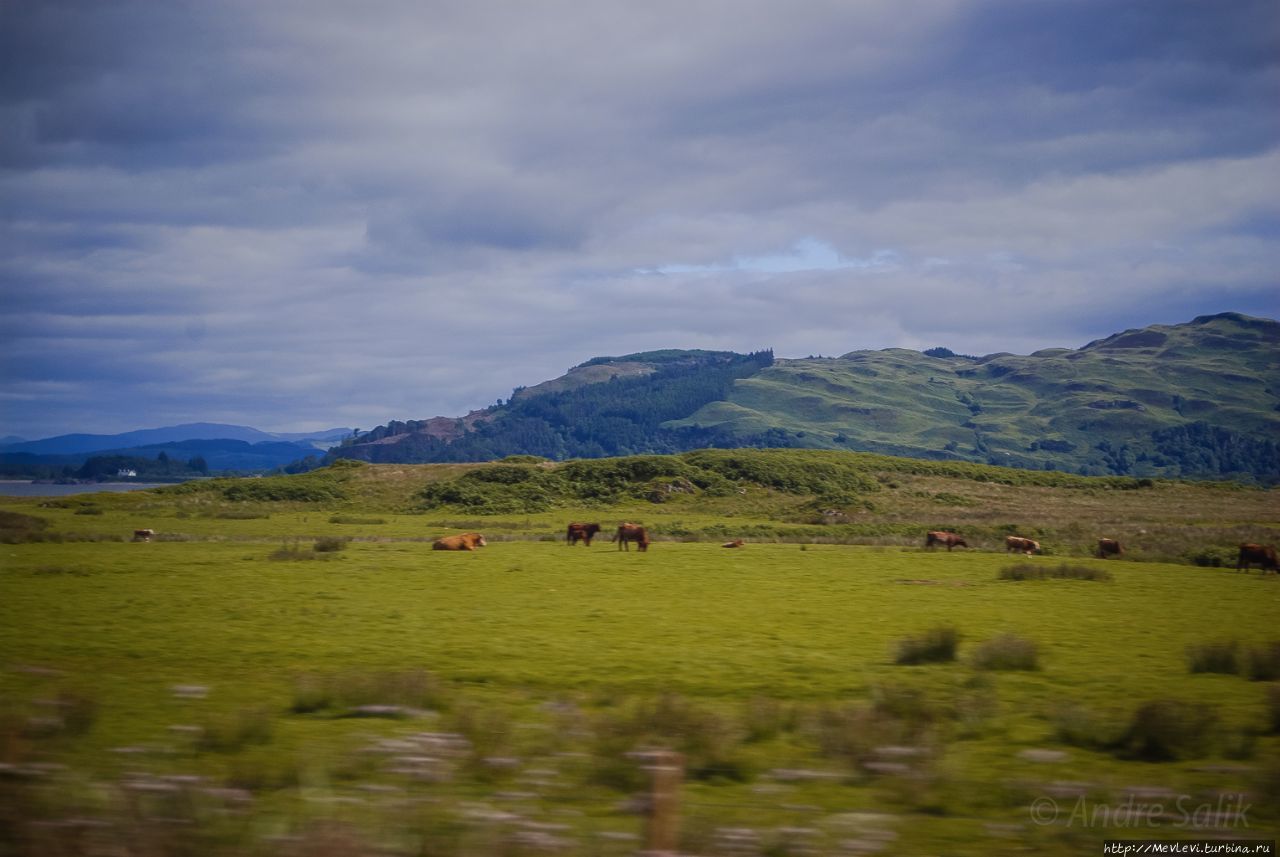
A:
(32, 489)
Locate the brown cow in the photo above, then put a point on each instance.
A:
(938, 537)
(1109, 547)
(628, 533)
(144, 535)
(581, 532)
(736, 543)
(1262, 555)
(1017, 544)
(461, 542)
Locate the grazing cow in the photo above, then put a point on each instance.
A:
(143, 535)
(628, 533)
(951, 540)
(581, 532)
(462, 542)
(1017, 544)
(1109, 547)
(1261, 555)
(736, 543)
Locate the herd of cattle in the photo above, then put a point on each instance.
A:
(1263, 556)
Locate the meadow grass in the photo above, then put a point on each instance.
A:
(532, 650)
(395, 698)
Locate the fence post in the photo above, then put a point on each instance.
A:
(667, 770)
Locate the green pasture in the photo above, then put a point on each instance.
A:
(541, 654)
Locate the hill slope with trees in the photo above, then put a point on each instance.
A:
(1199, 400)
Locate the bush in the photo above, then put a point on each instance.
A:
(1078, 726)
(354, 519)
(235, 732)
(1264, 662)
(1166, 730)
(417, 689)
(1212, 557)
(291, 551)
(1217, 657)
(1273, 708)
(330, 544)
(1065, 571)
(934, 646)
(1007, 652)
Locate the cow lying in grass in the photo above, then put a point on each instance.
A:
(462, 542)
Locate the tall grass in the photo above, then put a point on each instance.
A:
(937, 645)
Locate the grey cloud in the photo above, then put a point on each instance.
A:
(402, 209)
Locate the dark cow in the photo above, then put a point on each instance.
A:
(736, 543)
(951, 540)
(1109, 547)
(461, 542)
(1017, 544)
(628, 533)
(581, 532)
(1263, 556)
(144, 535)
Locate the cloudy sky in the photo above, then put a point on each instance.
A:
(296, 215)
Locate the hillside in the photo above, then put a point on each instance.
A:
(75, 444)
(159, 459)
(1199, 400)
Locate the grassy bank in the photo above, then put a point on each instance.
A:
(229, 689)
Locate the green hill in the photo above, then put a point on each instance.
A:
(1199, 400)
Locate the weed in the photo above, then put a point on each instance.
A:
(356, 519)
(1065, 571)
(937, 645)
(1215, 657)
(1081, 726)
(330, 544)
(1007, 652)
(415, 689)
(291, 551)
(1165, 730)
(1273, 708)
(234, 732)
(1264, 661)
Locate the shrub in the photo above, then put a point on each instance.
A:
(1264, 662)
(330, 544)
(709, 742)
(1216, 657)
(88, 510)
(235, 732)
(416, 689)
(1166, 730)
(16, 527)
(1007, 652)
(1065, 571)
(1212, 557)
(934, 646)
(290, 551)
(1273, 708)
(354, 519)
(1078, 726)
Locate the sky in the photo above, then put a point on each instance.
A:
(297, 215)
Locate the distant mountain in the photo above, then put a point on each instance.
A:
(213, 456)
(1200, 399)
(74, 444)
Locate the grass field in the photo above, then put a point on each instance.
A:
(228, 689)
